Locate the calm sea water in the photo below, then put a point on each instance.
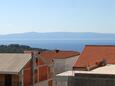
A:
(60, 44)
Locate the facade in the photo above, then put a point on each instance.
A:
(9, 80)
(92, 80)
(42, 69)
(46, 73)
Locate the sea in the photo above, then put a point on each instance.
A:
(71, 45)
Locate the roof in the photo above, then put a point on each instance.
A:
(92, 54)
(13, 63)
(59, 54)
(67, 73)
(108, 69)
(105, 70)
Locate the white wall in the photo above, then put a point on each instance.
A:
(69, 62)
(60, 81)
(43, 83)
(62, 65)
(59, 66)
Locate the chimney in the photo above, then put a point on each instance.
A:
(39, 52)
(57, 51)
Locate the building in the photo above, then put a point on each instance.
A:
(12, 69)
(25, 69)
(94, 56)
(94, 67)
(62, 60)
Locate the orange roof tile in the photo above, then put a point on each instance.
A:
(59, 54)
(92, 54)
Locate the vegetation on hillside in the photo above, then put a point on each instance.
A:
(16, 48)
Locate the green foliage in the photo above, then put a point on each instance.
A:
(16, 48)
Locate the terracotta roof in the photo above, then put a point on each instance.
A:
(58, 54)
(93, 54)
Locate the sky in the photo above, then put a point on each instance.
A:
(18, 16)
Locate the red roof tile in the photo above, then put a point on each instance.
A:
(92, 54)
(59, 54)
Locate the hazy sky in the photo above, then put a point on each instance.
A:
(57, 15)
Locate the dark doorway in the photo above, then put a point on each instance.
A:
(8, 80)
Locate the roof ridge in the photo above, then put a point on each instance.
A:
(101, 45)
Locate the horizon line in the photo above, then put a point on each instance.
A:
(55, 32)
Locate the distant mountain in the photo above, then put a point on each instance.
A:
(59, 36)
